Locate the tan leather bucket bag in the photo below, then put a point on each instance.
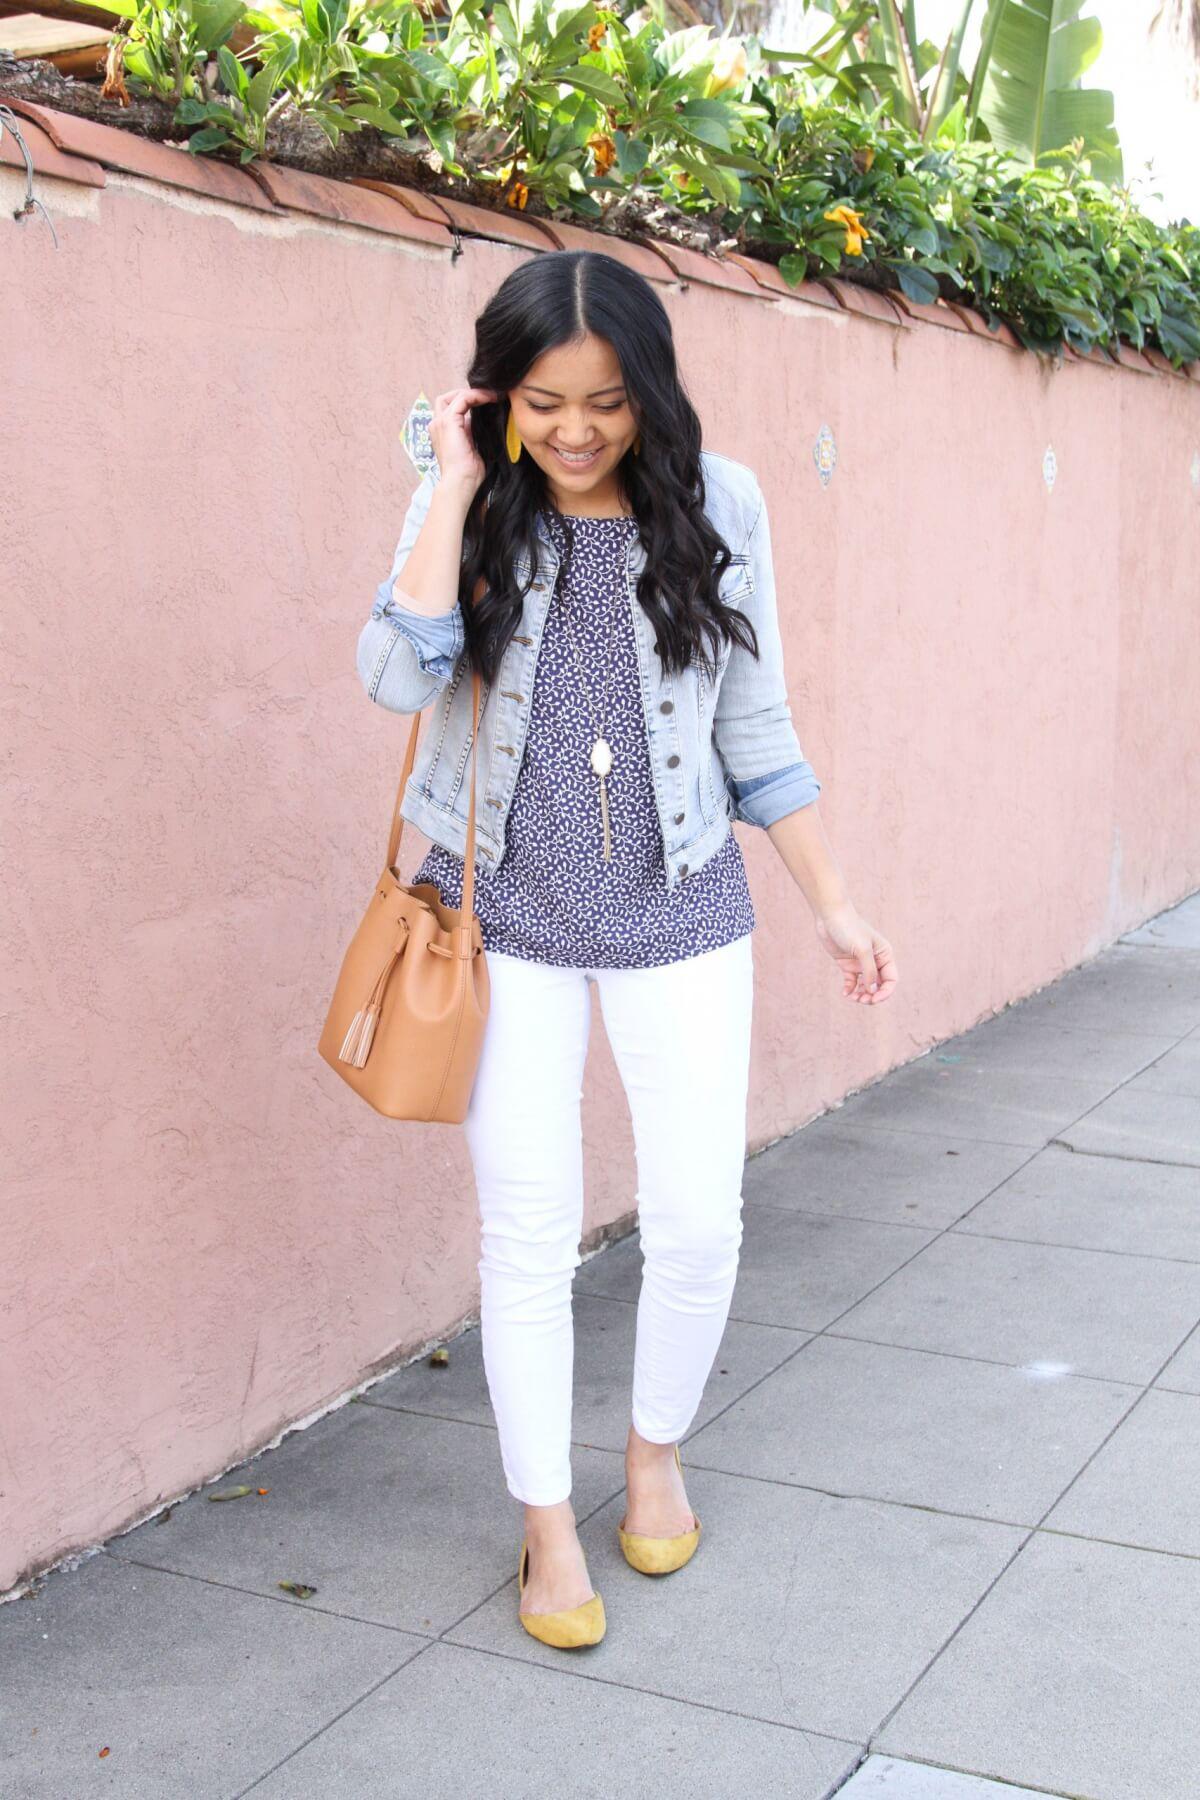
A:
(405, 1026)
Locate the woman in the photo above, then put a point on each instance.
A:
(613, 585)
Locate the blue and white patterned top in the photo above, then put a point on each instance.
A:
(552, 897)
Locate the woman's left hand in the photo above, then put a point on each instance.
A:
(863, 954)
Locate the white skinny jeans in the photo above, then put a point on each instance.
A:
(680, 1035)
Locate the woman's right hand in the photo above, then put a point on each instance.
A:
(459, 463)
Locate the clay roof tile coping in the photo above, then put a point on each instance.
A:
(72, 148)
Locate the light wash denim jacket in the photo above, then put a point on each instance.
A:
(719, 750)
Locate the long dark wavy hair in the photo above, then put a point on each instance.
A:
(555, 298)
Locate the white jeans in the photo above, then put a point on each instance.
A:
(680, 1035)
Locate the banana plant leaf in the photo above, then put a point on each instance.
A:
(1027, 83)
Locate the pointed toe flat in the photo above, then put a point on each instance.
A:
(570, 1629)
(659, 1555)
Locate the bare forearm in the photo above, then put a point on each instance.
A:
(800, 839)
(428, 582)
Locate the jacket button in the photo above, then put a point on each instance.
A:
(683, 868)
(667, 706)
(672, 762)
(679, 818)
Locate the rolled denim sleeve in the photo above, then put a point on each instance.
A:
(405, 656)
(437, 639)
(762, 799)
(767, 774)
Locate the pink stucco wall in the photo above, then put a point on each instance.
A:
(207, 1237)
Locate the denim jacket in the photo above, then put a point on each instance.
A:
(719, 749)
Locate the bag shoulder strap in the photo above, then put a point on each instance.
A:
(468, 888)
(393, 851)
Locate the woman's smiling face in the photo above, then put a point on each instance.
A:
(575, 417)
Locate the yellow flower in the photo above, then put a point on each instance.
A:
(728, 66)
(603, 150)
(851, 222)
(517, 195)
(596, 34)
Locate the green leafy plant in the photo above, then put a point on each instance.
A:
(169, 43)
(582, 110)
(1025, 92)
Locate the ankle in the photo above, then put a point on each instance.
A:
(550, 1524)
(645, 1452)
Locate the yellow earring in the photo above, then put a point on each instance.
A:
(637, 444)
(512, 439)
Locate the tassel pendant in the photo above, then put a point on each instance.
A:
(346, 1053)
(356, 1046)
(604, 819)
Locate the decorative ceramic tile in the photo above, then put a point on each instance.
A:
(1196, 470)
(1050, 468)
(825, 455)
(415, 436)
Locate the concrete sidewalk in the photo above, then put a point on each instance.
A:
(948, 1466)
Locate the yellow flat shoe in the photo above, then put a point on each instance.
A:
(659, 1555)
(568, 1630)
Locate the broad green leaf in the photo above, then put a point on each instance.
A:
(811, 191)
(214, 20)
(1027, 83)
(570, 33)
(259, 91)
(632, 155)
(709, 177)
(830, 247)
(441, 135)
(704, 130)
(376, 116)
(915, 281)
(685, 49)
(737, 159)
(192, 109)
(316, 20)
(433, 70)
(506, 26)
(592, 81)
(232, 73)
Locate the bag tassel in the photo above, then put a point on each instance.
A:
(356, 1045)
